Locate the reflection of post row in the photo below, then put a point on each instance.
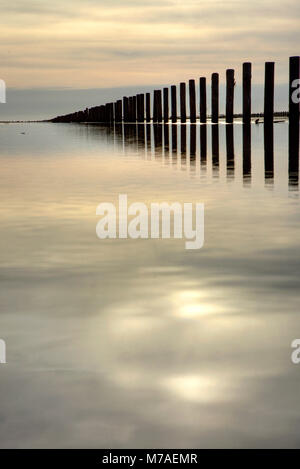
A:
(164, 107)
(176, 140)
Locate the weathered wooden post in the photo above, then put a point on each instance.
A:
(269, 92)
(142, 107)
(269, 150)
(215, 146)
(203, 100)
(134, 109)
(155, 106)
(159, 107)
(192, 95)
(183, 102)
(294, 104)
(230, 82)
(125, 109)
(192, 142)
(148, 107)
(174, 103)
(166, 104)
(138, 107)
(247, 92)
(215, 98)
(294, 90)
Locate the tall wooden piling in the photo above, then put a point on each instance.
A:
(125, 109)
(148, 107)
(139, 107)
(294, 94)
(183, 102)
(215, 98)
(166, 104)
(134, 109)
(230, 82)
(192, 96)
(155, 106)
(174, 103)
(159, 106)
(247, 92)
(142, 107)
(203, 111)
(269, 92)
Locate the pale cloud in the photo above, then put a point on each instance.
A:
(124, 42)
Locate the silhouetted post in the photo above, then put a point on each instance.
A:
(203, 100)
(230, 82)
(294, 90)
(269, 92)
(138, 107)
(155, 106)
(192, 95)
(294, 101)
(125, 109)
(166, 104)
(215, 98)
(247, 92)
(148, 107)
(183, 102)
(174, 139)
(130, 108)
(142, 107)
(133, 110)
(159, 107)
(174, 103)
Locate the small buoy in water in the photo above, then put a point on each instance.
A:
(23, 133)
(256, 121)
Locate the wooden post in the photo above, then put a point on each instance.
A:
(294, 85)
(174, 103)
(229, 150)
(215, 98)
(125, 109)
(192, 95)
(155, 106)
(230, 82)
(134, 109)
(247, 92)
(138, 107)
(148, 107)
(269, 92)
(203, 144)
(166, 104)
(159, 106)
(183, 102)
(142, 98)
(203, 100)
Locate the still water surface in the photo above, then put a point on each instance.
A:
(141, 343)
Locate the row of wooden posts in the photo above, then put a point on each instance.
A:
(138, 108)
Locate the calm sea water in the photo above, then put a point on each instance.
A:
(141, 343)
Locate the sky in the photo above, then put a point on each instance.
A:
(112, 44)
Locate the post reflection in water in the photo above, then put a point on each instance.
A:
(269, 152)
(158, 140)
(162, 141)
(203, 146)
(215, 148)
(247, 153)
(193, 147)
(229, 151)
(294, 156)
(183, 145)
(174, 143)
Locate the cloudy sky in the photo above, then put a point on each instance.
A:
(117, 43)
